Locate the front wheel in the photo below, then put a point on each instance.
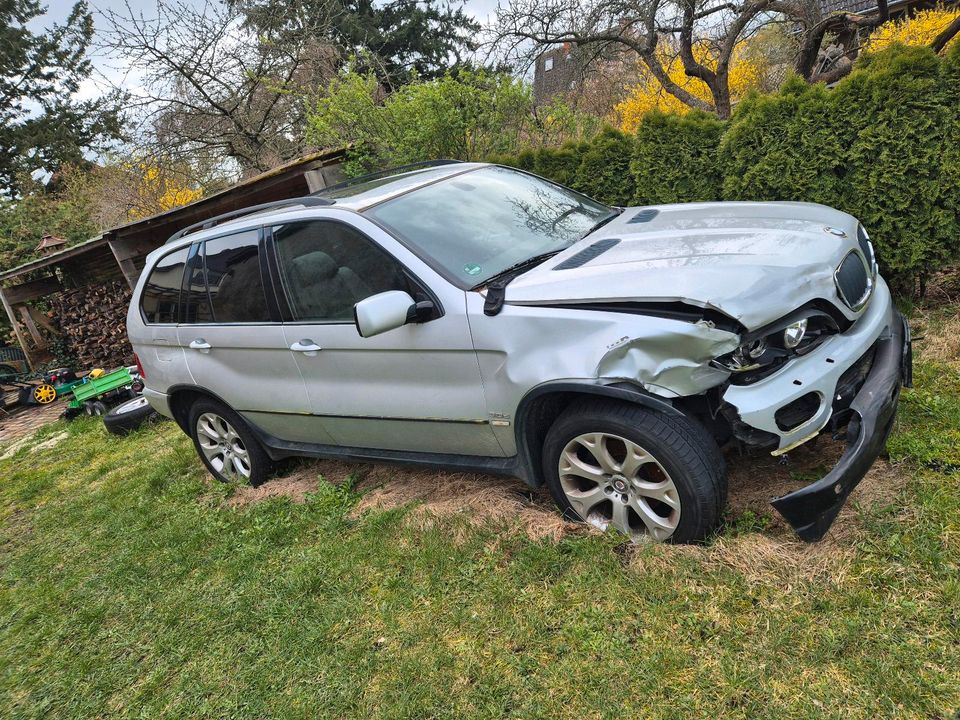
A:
(225, 444)
(649, 475)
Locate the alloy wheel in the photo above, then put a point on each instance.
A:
(612, 481)
(222, 447)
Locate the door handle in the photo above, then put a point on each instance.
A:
(306, 346)
(200, 344)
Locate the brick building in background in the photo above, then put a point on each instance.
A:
(557, 71)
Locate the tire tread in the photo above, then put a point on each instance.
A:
(684, 438)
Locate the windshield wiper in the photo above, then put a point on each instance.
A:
(507, 274)
(615, 213)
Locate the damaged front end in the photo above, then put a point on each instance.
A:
(848, 380)
(812, 509)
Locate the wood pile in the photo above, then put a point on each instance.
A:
(93, 323)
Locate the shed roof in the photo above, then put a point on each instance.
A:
(277, 184)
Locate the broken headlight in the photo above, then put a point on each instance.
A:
(794, 333)
(764, 351)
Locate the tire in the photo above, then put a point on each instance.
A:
(126, 417)
(650, 475)
(94, 408)
(211, 422)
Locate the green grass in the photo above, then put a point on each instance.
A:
(129, 589)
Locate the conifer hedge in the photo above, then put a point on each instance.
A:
(883, 145)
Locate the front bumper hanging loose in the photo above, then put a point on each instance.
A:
(811, 510)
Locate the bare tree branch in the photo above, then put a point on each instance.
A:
(946, 35)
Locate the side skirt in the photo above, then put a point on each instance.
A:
(279, 449)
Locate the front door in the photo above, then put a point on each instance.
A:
(415, 388)
(234, 341)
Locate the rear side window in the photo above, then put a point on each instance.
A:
(234, 283)
(194, 300)
(160, 301)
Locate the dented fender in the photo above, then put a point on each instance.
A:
(670, 360)
(524, 347)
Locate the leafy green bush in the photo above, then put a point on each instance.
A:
(468, 116)
(464, 117)
(949, 212)
(675, 158)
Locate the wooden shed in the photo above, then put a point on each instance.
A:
(85, 289)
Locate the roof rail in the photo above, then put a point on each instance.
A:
(386, 173)
(306, 201)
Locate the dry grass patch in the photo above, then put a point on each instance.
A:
(481, 500)
(936, 323)
(938, 336)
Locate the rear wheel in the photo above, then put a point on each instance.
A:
(226, 445)
(94, 408)
(649, 475)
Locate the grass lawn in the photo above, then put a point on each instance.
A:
(132, 586)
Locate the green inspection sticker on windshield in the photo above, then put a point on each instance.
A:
(472, 269)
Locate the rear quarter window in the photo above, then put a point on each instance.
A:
(160, 301)
(234, 282)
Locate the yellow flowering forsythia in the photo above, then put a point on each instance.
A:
(158, 192)
(746, 73)
(919, 29)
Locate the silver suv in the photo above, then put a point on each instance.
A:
(476, 317)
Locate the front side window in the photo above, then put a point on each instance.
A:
(474, 225)
(327, 267)
(234, 283)
(160, 301)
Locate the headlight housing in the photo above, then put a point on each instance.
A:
(763, 352)
(794, 332)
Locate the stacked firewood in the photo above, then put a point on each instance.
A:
(92, 321)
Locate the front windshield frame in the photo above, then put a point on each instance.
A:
(447, 273)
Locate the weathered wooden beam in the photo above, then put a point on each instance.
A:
(38, 341)
(41, 319)
(16, 327)
(32, 290)
(120, 250)
(131, 248)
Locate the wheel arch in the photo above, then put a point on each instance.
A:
(183, 396)
(542, 405)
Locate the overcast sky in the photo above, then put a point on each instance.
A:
(59, 10)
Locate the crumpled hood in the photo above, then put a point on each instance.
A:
(752, 261)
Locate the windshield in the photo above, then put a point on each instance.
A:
(475, 225)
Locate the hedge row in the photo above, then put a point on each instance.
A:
(883, 145)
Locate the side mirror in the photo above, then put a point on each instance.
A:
(379, 313)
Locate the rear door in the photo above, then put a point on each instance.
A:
(234, 341)
(415, 388)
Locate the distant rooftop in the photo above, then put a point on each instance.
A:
(855, 6)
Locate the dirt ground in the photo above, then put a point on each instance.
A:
(481, 499)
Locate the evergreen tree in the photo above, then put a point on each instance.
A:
(42, 125)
